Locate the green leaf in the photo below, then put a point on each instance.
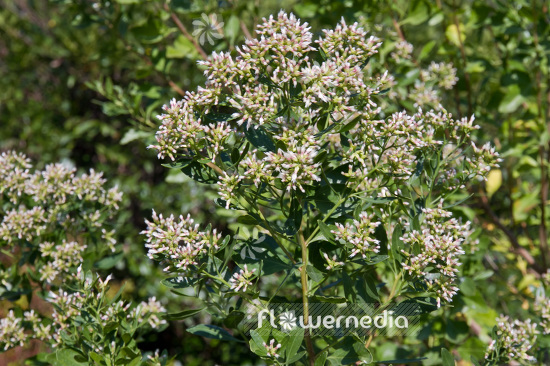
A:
(380, 200)
(349, 290)
(314, 273)
(263, 250)
(325, 198)
(200, 173)
(66, 357)
(366, 288)
(109, 261)
(326, 231)
(404, 361)
(294, 221)
(295, 339)
(179, 282)
(306, 10)
(96, 358)
(483, 275)
(436, 19)
(247, 220)
(232, 28)
(397, 244)
(233, 319)
(329, 299)
(260, 138)
(419, 12)
(321, 359)
(213, 332)
(257, 344)
(448, 359)
(349, 351)
(182, 48)
(133, 134)
(428, 47)
(382, 236)
(512, 100)
(456, 331)
(468, 287)
(182, 314)
(151, 32)
(455, 35)
(297, 357)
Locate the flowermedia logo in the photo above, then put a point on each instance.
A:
(286, 319)
(208, 28)
(336, 319)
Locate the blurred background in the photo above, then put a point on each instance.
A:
(82, 82)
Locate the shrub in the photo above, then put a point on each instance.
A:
(349, 199)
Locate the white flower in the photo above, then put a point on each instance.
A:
(242, 279)
(272, 348)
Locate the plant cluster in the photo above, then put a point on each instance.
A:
(53, 229)
(292, 133)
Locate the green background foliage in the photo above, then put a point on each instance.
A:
(82, 81)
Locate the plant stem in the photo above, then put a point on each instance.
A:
(511, 236)
(303, 272)
(183, 30)
(217, 278)
(465, 62)
(342, 200)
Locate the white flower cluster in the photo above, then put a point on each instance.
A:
(392, 147)
(51, 192)
(442, 73)
(149, 310)
(178, 243)
(283, 111)
(242, 279)
(359, 235)
(542, 307)
(23, 224)
(272, 349)
(403, 51)
(60, 258)
(12, 332)
(56, 185)
(14, 173)
(268, 74)
(42, 203)
(515, 340)
(68, 306)
(16, 331)
(440, 244)
(332, 263)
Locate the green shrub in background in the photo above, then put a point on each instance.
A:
(50, 50)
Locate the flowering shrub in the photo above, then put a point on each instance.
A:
(53, 228)
(294, 135)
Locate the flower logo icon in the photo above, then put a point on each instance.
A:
(287, 320)
(208, 28)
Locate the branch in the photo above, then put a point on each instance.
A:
(245, 30)
(183, 30)
(303, 275)
(513, 240)
(465, 62)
